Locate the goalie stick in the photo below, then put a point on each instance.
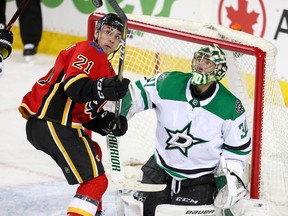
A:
(117, 176)
(17, 14)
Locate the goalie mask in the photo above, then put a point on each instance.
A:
(201, 60)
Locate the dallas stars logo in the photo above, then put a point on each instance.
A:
(182, 140)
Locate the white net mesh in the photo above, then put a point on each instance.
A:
(150, 53)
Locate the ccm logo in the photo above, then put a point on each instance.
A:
(99, 89)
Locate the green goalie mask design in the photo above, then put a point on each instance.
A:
(214, 54)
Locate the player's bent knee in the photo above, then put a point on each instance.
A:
(88, 196)
(94, 188)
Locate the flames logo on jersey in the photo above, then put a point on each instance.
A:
(92, 108)
(182, 140)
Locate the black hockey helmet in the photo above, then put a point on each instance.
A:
(110, 19)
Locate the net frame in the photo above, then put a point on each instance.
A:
(260, 56)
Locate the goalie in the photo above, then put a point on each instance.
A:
(202, 141)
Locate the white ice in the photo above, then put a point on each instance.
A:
(30, 181)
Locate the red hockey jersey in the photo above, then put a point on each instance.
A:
(64, 94)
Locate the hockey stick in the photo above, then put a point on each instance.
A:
(17, 14)
(117, 176)
(123, 17)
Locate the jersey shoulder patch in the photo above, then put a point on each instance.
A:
(239, 108)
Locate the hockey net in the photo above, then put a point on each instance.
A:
(157, 44)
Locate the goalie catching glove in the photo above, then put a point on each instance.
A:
(105, 123)
(230, 186)
(6, 40)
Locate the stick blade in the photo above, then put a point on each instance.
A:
(137, 186)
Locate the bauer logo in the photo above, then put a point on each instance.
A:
(200, 212)
(251, 15)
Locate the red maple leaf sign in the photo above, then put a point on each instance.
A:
(242, 17)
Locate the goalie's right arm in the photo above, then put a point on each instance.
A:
(132, 102)
(136, 99)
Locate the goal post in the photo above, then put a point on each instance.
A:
(158, 44)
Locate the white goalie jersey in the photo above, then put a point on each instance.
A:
(191, 134)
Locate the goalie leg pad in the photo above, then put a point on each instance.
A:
(251, 207)
(245, 206)
(152, 174)
(132, 207)
(153, 199)
(201, 210)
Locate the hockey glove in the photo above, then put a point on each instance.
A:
(105, 123)
(110, 88)
(6, 40)
(230, 187)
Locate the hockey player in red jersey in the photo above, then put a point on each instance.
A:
(70, 98)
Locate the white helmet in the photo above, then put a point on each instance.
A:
(217, 56)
